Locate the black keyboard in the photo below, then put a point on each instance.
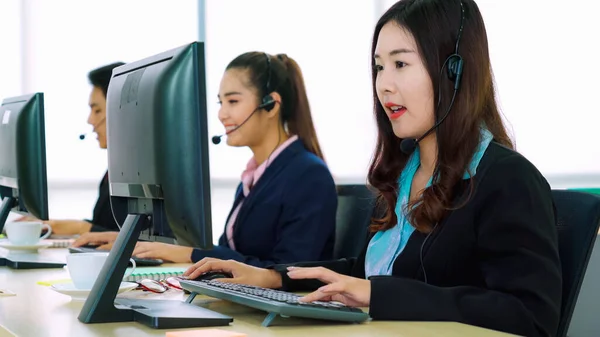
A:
(138, 261)
(275, 302)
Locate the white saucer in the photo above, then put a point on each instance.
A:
(81, 294)
(27, 248)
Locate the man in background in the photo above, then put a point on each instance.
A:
(102, 219)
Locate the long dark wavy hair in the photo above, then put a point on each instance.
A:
(434, 24)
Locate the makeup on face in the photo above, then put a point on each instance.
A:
(394, 110)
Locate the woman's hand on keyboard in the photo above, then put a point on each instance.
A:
(351, 291)
(242, 273)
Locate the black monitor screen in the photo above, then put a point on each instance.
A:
(23, 181)
(158, 144)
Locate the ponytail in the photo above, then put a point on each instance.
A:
(297, 113)
(282, 74)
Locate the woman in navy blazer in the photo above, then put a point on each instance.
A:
(289, 214)
(285, 207)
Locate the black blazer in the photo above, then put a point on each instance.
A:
(103, 219)
(493, 263)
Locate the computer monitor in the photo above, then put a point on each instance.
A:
(158, 173)
(157, 145)
(23, 181)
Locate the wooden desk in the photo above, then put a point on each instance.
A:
(38, 311)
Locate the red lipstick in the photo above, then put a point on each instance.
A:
(396, 110)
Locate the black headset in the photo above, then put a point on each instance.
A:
(454, 63)
(267, 101)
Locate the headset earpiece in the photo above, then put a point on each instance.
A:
(455, 68)
(454, 62)
(268, 103)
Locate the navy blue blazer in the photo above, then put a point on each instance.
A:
(288, 216)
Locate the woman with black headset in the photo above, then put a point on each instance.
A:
(285, 207)
(468, 228)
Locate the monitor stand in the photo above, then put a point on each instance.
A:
(30, 261)
(101, 306)
(5, 206)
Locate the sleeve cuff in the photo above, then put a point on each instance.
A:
(217, 252)
(379, 306)
(285, 279)
(97, 228)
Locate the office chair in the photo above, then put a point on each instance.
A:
(578, 221)
(354, 211)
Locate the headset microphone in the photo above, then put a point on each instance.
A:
(83, 135)
(408, 145)
(217, 138)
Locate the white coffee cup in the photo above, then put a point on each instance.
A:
(22, 233)
(85, 267)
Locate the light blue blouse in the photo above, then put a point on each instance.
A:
(385, 246)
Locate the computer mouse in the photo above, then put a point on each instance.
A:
(212, 275)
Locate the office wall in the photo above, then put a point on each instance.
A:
(10, 49)
(544, 64)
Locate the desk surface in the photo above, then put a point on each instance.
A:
(37, 310)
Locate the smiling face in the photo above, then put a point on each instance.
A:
(238, 101)
(403, 85)
(97, 116)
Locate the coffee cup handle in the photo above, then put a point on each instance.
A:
(48, 232)
(132, 269)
